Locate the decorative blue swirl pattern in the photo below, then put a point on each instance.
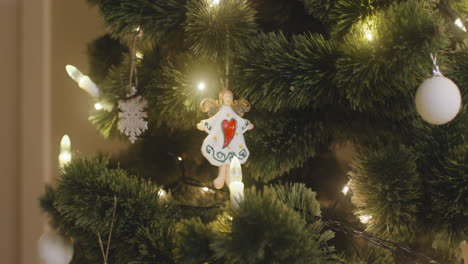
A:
(221, 157)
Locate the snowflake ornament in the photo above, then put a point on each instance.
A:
(133, 117)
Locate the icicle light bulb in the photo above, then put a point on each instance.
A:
(201, 86)
(236, 187)
(84, 82)
(65, 151)
(459, 24)
(235, 170)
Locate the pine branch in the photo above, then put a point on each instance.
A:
(218, 31)
(401, 252)
(157, 18)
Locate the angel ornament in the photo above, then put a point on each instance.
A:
(225, 129)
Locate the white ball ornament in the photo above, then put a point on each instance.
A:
(55, 249)
(438, 100)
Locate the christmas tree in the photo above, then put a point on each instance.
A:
(298, 77)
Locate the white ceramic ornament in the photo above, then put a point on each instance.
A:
(438, 100)
(225, 138)
(55, 249)
(225, 130)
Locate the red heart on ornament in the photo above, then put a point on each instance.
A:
(229, 127)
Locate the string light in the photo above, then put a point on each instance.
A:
(205, 189)
(139, 55)
(98, 106)
(65, 151)
(179, 158)
(201, 86)
(345, 189)
(367, 30)
(459, 23)
(84, 82)
(365, 218)
(162, 193)
(214, 3)
(369, 35)
(236, 187)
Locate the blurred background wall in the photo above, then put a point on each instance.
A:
(38, 105)
(9, 128)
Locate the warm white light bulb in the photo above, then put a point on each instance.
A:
(139, 55)
(459, 24)
(201, 86)
(74, 73)
(83, 81)
(235, 170)
(65, 143)
(214, 3)
(345, 189)
(179, 158)
(162, 193)
(369, 35)
(65, 155)
(64, 158)
(236, 187)
(98, 106)
(205, 189)
(365, 218)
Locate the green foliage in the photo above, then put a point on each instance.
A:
(277, 73)
(307, 90)
(387, 187)
(268, 227)
(106, 122)
(218, 31)
(103, 53)
(173, 97)
(265, 230)
(348, 12)
(85, 197)
(371, 256)
(303, 200)
(157, 18)
(155, 157)
(298, 197)
(319, 8)
(46, 201)
(449, 195)
(282, 142)
(384, 61)
(445, 174)
(116, 85)
(458, 69)
(156, 242)
(193, 237)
